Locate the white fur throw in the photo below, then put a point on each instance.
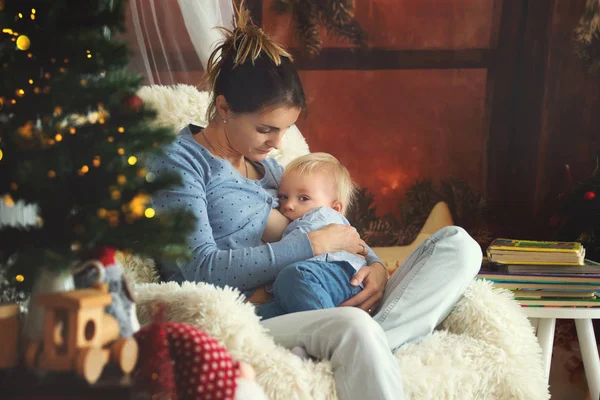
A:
(485, 350)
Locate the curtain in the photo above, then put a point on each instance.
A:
(171, 40)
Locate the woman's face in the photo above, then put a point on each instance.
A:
(254, 135)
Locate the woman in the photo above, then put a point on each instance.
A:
(232, 186)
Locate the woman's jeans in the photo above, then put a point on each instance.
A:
(419, 295)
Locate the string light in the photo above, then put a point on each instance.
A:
(31, 81)
(72, 130)
(1, 103)
(96, 162)
(66, 60)
(51, 174)
(121, 129)
(85, 169)
(58, 137)
(132, 160)
(8, 201)
(1, 155)
(20, 15)
(101, 213)
(115, 194)
(20, 92)
(23, 43)
(110, 139)
(121, 179)
(76, 246)
(7, 30)
(57, 111)
(19, 278)
(32, 16)
(149, 213)
(83, 82)
(50, 142)
(36, 90)
(29, 55)
(142, 172)
(47, 75)
(89, 54)
(121, 151)
(13, 101)
(33, 10)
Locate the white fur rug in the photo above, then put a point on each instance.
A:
(487, 349)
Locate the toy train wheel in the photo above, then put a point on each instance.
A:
(32, 353)
(90, 363)
(124, 352)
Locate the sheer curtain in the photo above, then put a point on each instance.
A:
(171, 40)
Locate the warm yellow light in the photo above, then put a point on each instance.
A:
(149, 213)
(33, 10)
(115, 194)
(20, 92)
(32, 16)
(142, 172)
(36, 90)
(58, 137)
(57, 111)
(72, 130)
(20, 15)
(121, 129)
(66, 60)
(96, 161)
(110, 139)
(31, 81)
(51, 174)
(121, 179)
(47, 75)
(121, 151)
(1, 155)
(23, 43)
(50, 141)
(85, 169)
(101, 213)
(19, 278)
(13, 101)
(29, 55)
(89, 56)
(7, 30)
(8, 200)
(132, 160)
(101, 121)
(83, 82)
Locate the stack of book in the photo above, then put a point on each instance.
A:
(543, 274)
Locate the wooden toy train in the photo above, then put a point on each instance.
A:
(78, 335)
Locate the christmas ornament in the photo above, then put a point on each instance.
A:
(589, 195)
(133, 102)
(202, 367)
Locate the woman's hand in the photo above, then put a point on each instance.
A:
(374, 278)
(337, 237)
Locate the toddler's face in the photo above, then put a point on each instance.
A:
(299, 194)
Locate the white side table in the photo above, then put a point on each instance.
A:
(583, 317)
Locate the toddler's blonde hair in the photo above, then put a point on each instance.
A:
(323, 162)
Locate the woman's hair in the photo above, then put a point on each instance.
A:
(251, 71)
(323, 162)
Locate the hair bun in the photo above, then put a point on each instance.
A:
(244, 42)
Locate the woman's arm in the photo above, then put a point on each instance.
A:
(244, 268)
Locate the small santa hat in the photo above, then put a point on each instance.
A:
(202, 367)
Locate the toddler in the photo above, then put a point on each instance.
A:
(315, 191)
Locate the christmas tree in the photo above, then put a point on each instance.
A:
(74, 138)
